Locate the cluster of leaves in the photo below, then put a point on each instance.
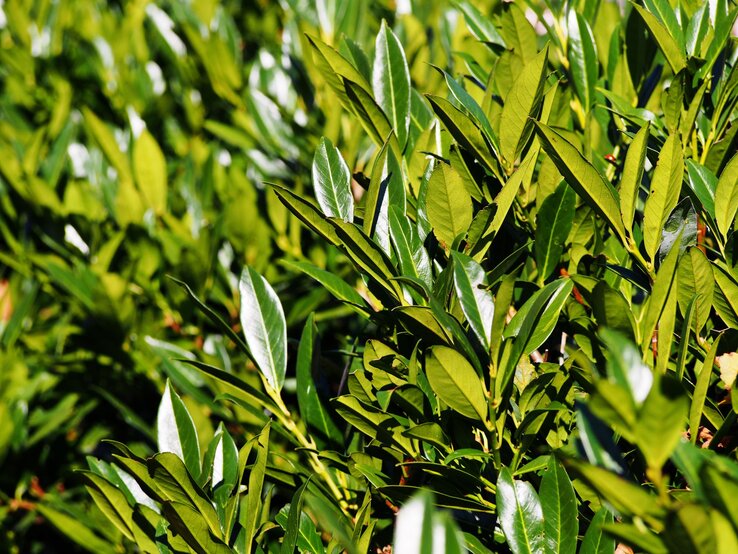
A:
(526, 231)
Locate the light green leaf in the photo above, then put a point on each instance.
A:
(583, 177)
(448, 204)
(664, 12)
(476, 302)
(553, 224)
(700, 391)
(595, 541)
(251, 515)
(112, 502)
(335, 68)
(582, 54)
(521, 104)
(559, 507)
(663, 415)
(391, 81)
(479, 25)
(662, 286)
(727, 192)
(264, 326)
(666, 185)
(456, 382)
(150, 169)
(188, 523)
(332, 182)
(630, 182)
(176, 431)
(520, 515)
(386, 188)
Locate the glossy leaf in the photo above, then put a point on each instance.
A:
(448, 204)
(520, 514)
(456, 382)
(630, 182)
(176, 431)
(521, 104)
(332, 182)
(391, 81)
(700, 391)
(582, 55)
(559, 508)
(264, 327)
(476, 302)
(583, 177)
(553, 224)
(727, 192)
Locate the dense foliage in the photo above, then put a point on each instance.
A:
(342, 275)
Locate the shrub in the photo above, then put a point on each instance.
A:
(529, 248)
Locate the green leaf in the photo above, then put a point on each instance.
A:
(412, 255)
(559, 507)
(662, 286)
(582, 55)
(335, 68)
(727, 192)
(448, 204)
(463, 129)
(175, 484)
(663, 415)
(386, 188)
(536, 319)
(611, 309)
(520, 514)
(150, 169)
(176, 431)
(700, 391)
(476, 302)
(331, 282)
(625, 367)
(307, 213)
(583, 177)
(264, 326)
(332, 182)
(391, 81)
(553, 224)
(372, 422)
(522, 103)
(221, 462)
(455, 381)
(311, 407)
(251, 515)
(595, 541)
(664, 12)
(669, 44)
(703, 183)
(190, 525)
(294, 520)
(689, 530)
(479, 25)
(370, 115)
(367, 256)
